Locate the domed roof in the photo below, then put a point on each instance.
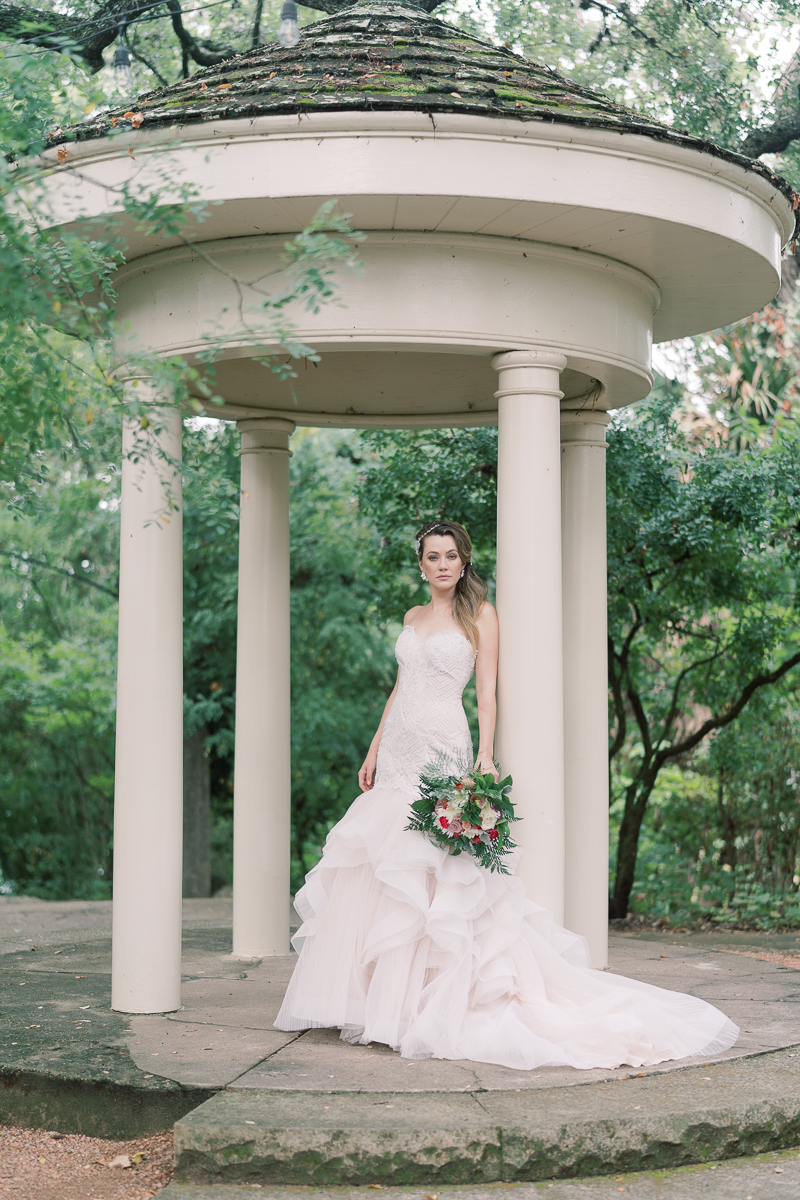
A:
(379, 55)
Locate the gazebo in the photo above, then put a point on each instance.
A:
(527, 241)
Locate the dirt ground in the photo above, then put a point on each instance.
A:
(37, 1165)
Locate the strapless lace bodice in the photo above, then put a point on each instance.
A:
(427, 723)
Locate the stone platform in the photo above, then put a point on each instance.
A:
(253, 1105)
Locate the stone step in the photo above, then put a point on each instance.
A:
(764, 1177)
(320, 1139)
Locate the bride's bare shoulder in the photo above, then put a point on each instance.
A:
(487, 617)
(408, 619)
(487, 627)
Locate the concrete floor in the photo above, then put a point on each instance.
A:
(223, 1035)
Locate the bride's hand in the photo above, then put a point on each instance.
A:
(484, 764)
(366, 776)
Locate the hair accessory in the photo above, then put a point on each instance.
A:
(424, 534)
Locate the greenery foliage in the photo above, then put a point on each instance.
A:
(57, 678)
(702, 595)
(342, 666)
(57, 656)
(703, 496)
(721, 845)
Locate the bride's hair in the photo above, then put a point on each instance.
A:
(471, 591)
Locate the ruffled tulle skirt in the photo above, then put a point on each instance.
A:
(433, 955)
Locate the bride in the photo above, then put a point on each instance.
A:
(435, 956)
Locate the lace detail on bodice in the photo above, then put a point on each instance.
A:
(427, 723)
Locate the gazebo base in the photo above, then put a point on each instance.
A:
(112, 1076)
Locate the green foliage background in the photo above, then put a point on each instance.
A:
(704, 515)
(57, 655)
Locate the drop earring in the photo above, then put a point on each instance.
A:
(422, 575)
(461, 576)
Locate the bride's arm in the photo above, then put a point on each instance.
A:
(486, 687)
(366, 776)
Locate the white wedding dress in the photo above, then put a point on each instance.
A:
(437, 957)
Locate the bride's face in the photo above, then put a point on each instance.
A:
(440, 562)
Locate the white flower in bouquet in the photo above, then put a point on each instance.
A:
(488, 817)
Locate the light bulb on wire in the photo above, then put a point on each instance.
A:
(289, 28)
(123, 75)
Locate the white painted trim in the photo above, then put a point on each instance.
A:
(473, 241)
(623, 144)
(323, 420)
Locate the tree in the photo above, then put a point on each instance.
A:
(57, 663)
(703, 573)
(57, 362)
(741, 386)
(342, 666)
(722, 838)
(57, 654)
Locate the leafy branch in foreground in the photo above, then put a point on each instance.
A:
(59, 366)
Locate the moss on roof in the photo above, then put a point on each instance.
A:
(389, 55)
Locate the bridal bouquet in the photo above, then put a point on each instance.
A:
(466, 814)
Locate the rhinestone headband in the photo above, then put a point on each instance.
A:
(424, 534)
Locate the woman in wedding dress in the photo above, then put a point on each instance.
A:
(430, 953)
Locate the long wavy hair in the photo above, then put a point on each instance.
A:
(471, 591)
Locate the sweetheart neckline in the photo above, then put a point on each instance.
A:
(441, 633)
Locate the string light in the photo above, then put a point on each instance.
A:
(289, 28)
(123, 73)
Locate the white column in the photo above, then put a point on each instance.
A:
(148, 795)
(583, 523)
(262, 774)
(530, 734)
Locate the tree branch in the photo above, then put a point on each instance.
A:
(676, 691)
(255, 39)
(619, 704)
(37, 562)
(641, 720)
(87, 37)
(786, 126)
(137, 54)
(714, 723)
(775, 138)
(204, 53)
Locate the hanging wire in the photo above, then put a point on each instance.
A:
(185, 12)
